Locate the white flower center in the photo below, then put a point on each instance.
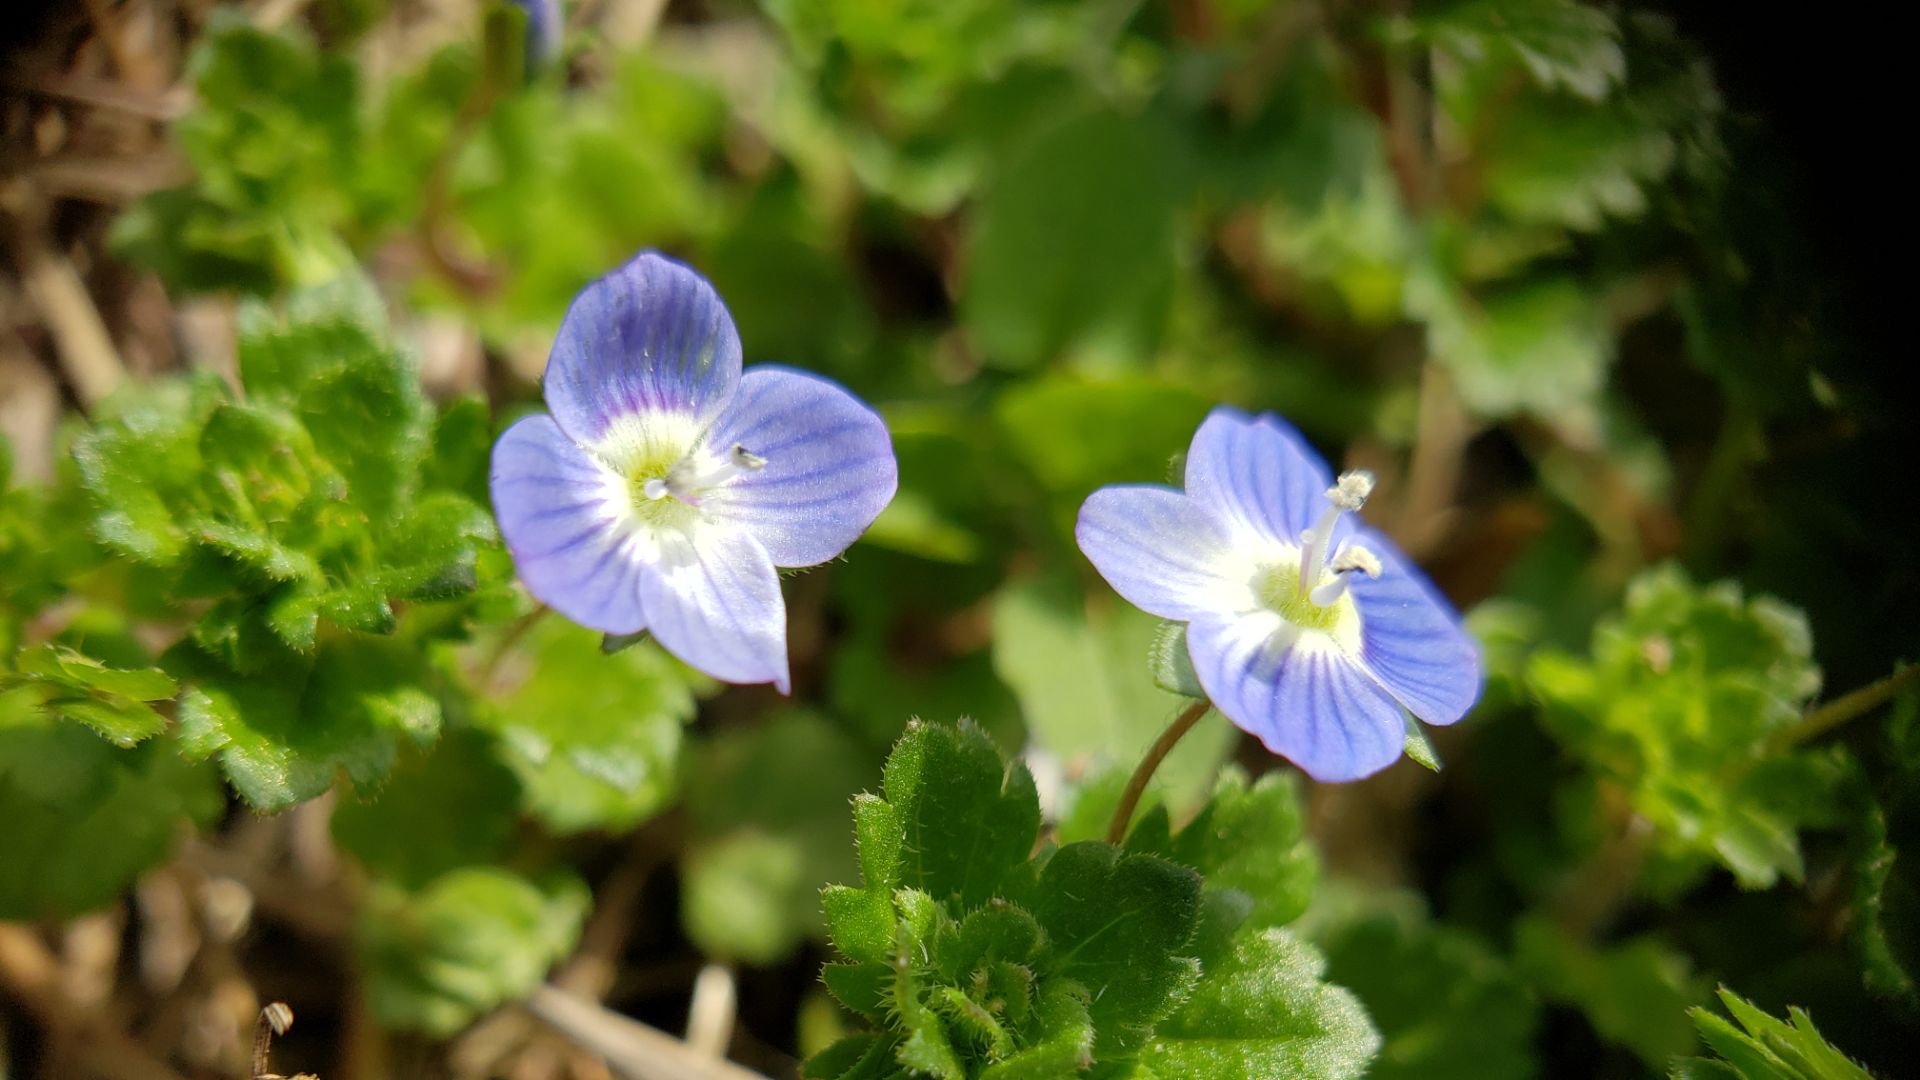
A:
(695, 475)
(669, 470)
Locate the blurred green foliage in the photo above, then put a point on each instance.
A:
(1520, 257)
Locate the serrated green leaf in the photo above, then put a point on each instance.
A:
(1446, 1005)
(967, 818)
(1559, 43)
(432, 552)
(1680, 704)
(863, 988)
(1065, 1044)
(142, 462)
(112, 701)
(864, 1056)
(1263, 1013)
(861, 921)
(468, 941)
(284, 733)
(1765, 1047)
(1252, 838)
(1120, 926)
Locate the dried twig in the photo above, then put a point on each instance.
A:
(710, 1016)
(275, 1019)
(630, 1048)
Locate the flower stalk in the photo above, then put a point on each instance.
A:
(1157, 753)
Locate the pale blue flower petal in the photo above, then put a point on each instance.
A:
(1258, 474)
(713, 600)
(829, 466)
(1411, 639)
(560, 513)
(650, 338)
(1307, 702)
(1156, 547)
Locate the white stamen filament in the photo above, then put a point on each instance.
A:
(1343, 566)
(1347, 494)
(688, 479)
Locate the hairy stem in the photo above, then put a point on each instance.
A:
(1157, 753)
(1848, 706)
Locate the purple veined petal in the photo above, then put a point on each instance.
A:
(651, 337)
(1301, 696)
(1410, 638)
(1258, 474)
(713, 600)
(829, 466)
(563, 516)
(1159, 549)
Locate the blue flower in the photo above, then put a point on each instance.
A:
(667, 485)
(1307, 629)
(543, 30)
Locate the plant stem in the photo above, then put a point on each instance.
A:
(1819, 721)
(489, 668)
(1157, 753)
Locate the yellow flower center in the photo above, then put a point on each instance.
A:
(1278, 589)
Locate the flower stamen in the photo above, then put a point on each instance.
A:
(690, 478)
(1350, 559)
(1348, 494)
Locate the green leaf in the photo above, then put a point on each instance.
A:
(142, 462)
(1050, 270)
(1682, 704)
(449, 806)
(1172, 665)
(760, 850)
(468, 941)
(594, 739)
(84, 818)
(967, 817)
(1065, 1046)
(1559, 43)
(110, 700)
(1420, 745)
(1085, 685)
(1634, 993)
(1251, 838)
(1446, 1005)
(462, 446)
(1564, 163)
(1764, 1047)
(861, 921)
(358, 398)
(1263, 1013)
(1541, 347)
(284, 733)
(1120, 926)
(1076, 434)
